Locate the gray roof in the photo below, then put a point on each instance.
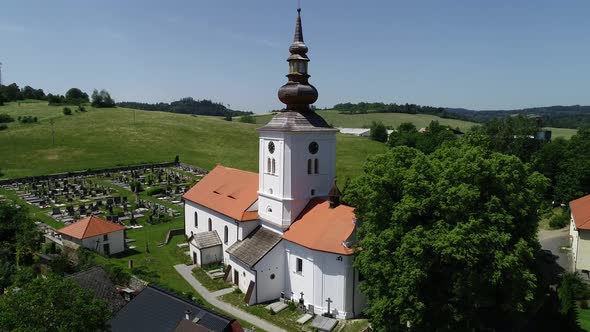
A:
(97, 281)
(259, 243)
(158, 310)
(297, 121)
(206, 240)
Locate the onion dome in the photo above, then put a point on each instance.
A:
(298, 94)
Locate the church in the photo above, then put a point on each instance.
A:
(282, 232)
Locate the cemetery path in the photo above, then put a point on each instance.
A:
(222, 292)
(186, 272)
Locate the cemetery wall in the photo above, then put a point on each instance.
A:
(100, 171)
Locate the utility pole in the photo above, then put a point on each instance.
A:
(52, 133)
(0, 74)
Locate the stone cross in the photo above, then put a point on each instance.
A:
(329, 301)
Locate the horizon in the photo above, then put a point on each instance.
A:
(494, 56)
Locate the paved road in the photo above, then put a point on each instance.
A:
(185, 272)
(552, 240)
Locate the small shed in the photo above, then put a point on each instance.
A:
(95, 234)
(207, 248)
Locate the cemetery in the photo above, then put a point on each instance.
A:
(130, 197)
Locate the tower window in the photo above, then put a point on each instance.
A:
(273, 166)
(312, 192)
(196, 220)
(210, 225)
(316, 166)
(225, 235)
(308, 166)
(299, 265)
(268, 165)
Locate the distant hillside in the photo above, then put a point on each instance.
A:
(574, 116)
(186, 106)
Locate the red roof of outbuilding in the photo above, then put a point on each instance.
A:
(581, 212)
(320, 227)
(90, 227)
(228, 191)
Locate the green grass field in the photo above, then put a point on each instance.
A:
(395, 119)
(101, 138)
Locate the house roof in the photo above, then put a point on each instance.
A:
(320, 227)
(255, 246)
(228, 191)
(581, 212)
(97, 281)
(205, 240)
(158, 310)
(90, 227)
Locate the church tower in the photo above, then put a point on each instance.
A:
(297, 148)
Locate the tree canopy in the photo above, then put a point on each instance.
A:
(102, 99)
(448, 239)
(378, 132)
(52, 304)
(433, 136)
(75, 96)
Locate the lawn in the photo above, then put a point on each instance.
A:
(101, 138)
(584, 318)
(211, 284)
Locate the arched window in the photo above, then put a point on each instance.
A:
(225, 235)
(316, 167)
(196, 220)
(210, 225)
(273, 166)
(308, 166)
(268, 165)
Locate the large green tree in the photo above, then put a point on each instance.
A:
(75, 96)
(448, 239)
(52, 304)
(19, 237)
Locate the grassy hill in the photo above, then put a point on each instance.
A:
(395, 119)
(102, 138)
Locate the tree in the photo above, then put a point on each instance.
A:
(19, 237)
(448, 239)
(52, 304)
(102, 99)
(378, 132)
(11, 92)
(247, 119)
(75, 96)
(1, 99)
(28, 92)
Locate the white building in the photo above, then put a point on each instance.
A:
(95, 234)
(282, 232)
(580, 233)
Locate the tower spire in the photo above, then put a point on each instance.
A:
(298, 94)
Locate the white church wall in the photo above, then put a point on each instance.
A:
(324, 275)
(270, 274)
(218, 223)
(245, 276)
(211, 255)
(245, 228)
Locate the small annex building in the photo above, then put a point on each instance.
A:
(580, 233)
(96, 234)
(282, 232)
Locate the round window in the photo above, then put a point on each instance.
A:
(313, 147)
(271, 147)
(272, 276)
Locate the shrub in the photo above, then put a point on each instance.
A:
(67, 111)
(3, 126)
(81, 109)
(584, 304)
(237, 290)
(227, 117)
(247, 119)
(559, 220)
(154, 191)
(378, 132)
(27, 119)
(5, 118)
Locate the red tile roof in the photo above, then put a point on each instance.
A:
(90, 227)
(581, 212)
(319, 227)
(228, 191)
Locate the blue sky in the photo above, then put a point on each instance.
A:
(478, 54)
